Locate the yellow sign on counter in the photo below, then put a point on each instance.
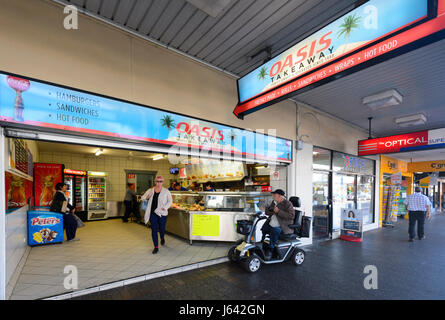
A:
(205, 225)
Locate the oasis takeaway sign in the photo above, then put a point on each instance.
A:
(371, 33)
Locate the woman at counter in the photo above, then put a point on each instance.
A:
(159, 201)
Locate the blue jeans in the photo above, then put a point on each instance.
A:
(274, 233)
(157, 225)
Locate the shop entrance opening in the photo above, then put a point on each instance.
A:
(109, 249)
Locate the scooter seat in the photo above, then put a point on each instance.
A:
(291, 236)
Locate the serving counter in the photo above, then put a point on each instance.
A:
(212, 216)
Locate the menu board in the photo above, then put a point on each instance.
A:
(20, 157)
(203, 170)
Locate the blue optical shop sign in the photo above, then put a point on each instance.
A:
(306, 62)
(38, 104)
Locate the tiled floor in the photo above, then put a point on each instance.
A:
(107, 251)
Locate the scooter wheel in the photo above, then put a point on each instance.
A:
(252, 264)
(298, 257)
(231, 254)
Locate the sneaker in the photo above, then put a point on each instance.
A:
(422, 238)
(74, 239)
(155, 250)
(411, 240)
(162, 241)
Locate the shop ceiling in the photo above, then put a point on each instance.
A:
(89, 151)
(238, 35)
(418, 156)
(419, 76)
(229, 34)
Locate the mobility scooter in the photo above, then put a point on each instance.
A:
(251, 254)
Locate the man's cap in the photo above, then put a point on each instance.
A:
(279, 191)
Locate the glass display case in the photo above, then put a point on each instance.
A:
(212, 216)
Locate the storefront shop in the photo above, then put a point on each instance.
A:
(430, 176)
(341, 182)
(396, 185)
(98, 145)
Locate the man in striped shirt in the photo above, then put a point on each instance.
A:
(418, 206)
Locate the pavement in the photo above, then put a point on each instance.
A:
(332, 270)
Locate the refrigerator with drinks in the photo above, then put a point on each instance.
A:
(76, 191)
(97, 195)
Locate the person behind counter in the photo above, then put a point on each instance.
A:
(130, 204)
(178, 187)
(173, 186)
(57, 204)
(194, 186)
(159, 201)
(208, 187)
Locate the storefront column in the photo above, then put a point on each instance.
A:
(2, 219)
(303, 182)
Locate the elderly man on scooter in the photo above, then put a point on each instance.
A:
(282, 214)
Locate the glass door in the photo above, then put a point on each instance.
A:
(365, 198)
(343, 196)
(320, 205)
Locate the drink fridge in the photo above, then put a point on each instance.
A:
(76, 191)
(97, 195)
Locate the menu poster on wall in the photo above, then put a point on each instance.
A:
(20, 157)
(18, 191)
(37, 104)
(46, 176)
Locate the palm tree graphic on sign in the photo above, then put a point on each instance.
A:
(168, 122)
(262, 73)
(350, 23)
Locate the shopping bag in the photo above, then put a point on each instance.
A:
(80, 223)
(64, 206)
(144, 205)
(305, 227)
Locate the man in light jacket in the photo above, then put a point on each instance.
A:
(159, 201)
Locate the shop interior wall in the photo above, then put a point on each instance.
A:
(105, 60)
(16, 233)
(114, 166)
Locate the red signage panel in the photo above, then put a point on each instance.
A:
(393, 143)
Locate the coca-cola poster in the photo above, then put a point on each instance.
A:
(46, 176)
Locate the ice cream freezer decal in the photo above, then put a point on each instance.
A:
(44, 228)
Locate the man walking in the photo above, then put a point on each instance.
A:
(418, 206)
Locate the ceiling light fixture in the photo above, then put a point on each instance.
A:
(383, 99)
(158, 157)
(99, 152)
(411, 120)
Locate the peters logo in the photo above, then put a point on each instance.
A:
(38, 221)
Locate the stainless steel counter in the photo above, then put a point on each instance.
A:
(205, 225)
